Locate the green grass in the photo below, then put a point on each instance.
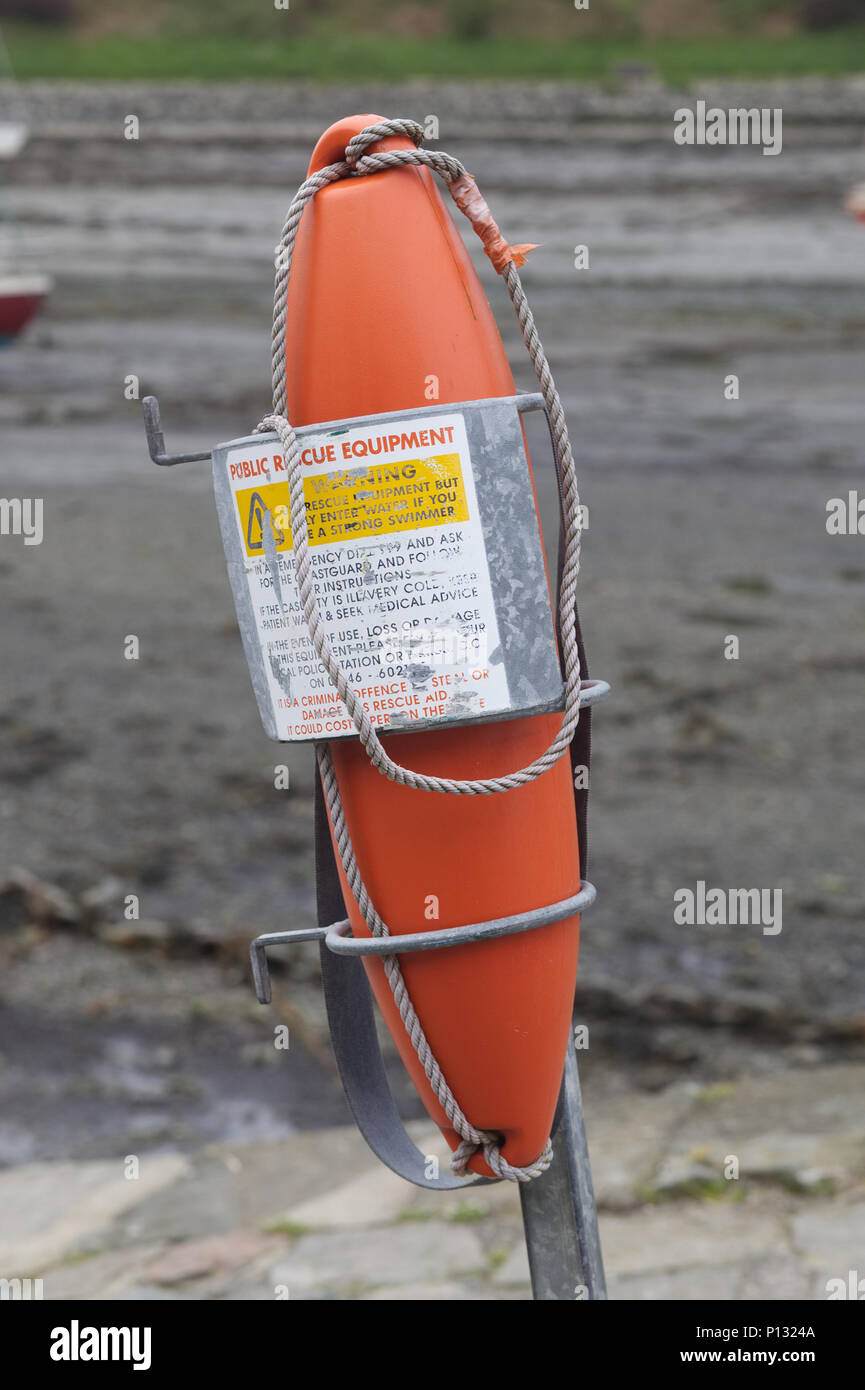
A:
(334, 56)
(719, 1090)
(703, 1189)
(464, 1213)
(284, 1226)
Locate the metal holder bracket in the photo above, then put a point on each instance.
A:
(156, 439)
(558, 1207)
(338, 939)
(525, 401)
(528, 400)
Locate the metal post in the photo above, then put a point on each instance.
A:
(559, 1214)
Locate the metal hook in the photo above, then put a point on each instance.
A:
(156, 439)
(258, 954)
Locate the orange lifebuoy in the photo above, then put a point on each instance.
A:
(382, 300)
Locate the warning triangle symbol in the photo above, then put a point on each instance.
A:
(256, 521)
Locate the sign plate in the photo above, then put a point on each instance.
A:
(427, 563)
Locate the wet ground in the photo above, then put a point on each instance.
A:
(707, 518)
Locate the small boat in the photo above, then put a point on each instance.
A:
(21, 296)
(22, 288)
(855, 202)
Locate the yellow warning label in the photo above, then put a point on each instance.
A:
(406, 496)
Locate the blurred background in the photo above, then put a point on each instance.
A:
(153, 778)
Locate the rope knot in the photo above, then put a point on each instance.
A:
(491, 1146)
(360, 143)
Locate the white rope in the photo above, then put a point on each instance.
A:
(358, 163)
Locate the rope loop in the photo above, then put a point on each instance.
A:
(360, 143)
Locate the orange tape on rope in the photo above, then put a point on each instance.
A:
(471, 201)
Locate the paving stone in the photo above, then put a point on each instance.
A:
(676, 1235)
(500, 1201)
(804, 1100)
(236, 1184)
(377, 1238)
(423, 1293)
(415, 1251)
(795, 1160)
(150, 1293)
(515, 1269)
(196, 1259)
(627, 1138)
(696, 1283)
(256, 1289)
(775, 1277)
(370, 1199)
(99, 1276)
(679, 1171)
(667, 1248)
(806, 1160)
(50, 1208)
(831, 1237)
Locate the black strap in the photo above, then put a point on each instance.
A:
(351, 1017)
(581, 743)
